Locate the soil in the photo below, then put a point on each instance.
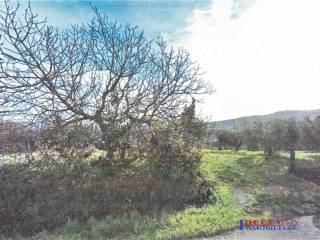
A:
(312, 175)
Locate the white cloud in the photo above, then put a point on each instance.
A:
(266, 60)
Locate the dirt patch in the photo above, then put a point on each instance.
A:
(316, 221)
(242, 196)
(312, 175)
(278, 189)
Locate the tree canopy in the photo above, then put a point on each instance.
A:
(100, 71)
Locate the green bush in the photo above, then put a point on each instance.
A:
(175, 164)
(46, 193)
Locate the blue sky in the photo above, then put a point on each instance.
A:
(162, 17)
(261, 55)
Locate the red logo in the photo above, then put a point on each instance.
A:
(285, 223)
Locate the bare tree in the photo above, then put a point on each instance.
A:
(100, 72)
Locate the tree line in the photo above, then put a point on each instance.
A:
(270, 137)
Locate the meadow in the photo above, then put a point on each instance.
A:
(247, 185)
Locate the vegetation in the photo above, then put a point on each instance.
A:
(101, 72)
(271, 137)
(191, 222)
(105, 122)
(267, 180)
(247, 187)
(95, 86)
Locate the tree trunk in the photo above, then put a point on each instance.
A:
(110, 152)
(292, 161)
(115, 139)
(268, 152)
(108, 139)
(238, 146)
(109, 145)
(122, 153)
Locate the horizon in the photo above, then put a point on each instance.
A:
(270, 113)
(261, 57)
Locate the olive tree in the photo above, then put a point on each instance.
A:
(290, 142)
(229, 139)
(253, 135)
(310, 133)
(273, 135)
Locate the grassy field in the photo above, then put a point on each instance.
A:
(247, 185)
(264, 182)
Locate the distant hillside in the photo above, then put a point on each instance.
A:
(283, 115)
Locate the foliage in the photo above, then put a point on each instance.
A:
(69, 180)
(310, 134)
(44, 193)
(206, 221)
(252, 136)
(256, 174)
(174, 159)
(131, 227)
(291, 135)
(191, 222)
(229, 139)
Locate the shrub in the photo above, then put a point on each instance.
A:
(46, 193)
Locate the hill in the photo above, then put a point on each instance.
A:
(281, 115)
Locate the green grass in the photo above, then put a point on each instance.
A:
(266, 179)
(302, 155)
(232, 167)
(247, 185)
(206, 221)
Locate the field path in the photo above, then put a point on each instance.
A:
(306, 230)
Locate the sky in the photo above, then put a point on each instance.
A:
(261, 56)
(264, 60)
